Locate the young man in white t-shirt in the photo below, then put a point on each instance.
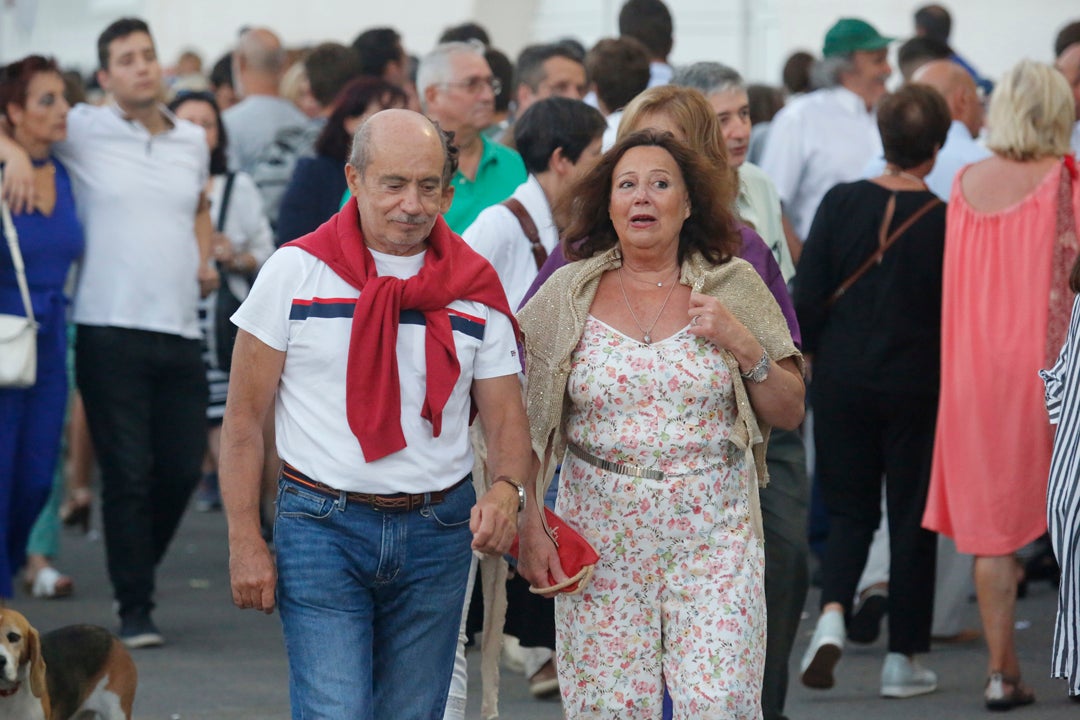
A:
(368, 346)
(138, 174)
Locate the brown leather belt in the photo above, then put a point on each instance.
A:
(397, 502)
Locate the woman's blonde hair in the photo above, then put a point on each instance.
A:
(1031, 113)
(692, 114)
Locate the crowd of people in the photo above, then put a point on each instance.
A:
(397, 314)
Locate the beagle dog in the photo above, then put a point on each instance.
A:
(63, 674)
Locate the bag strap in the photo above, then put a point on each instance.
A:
(225, 195)
(514, 205)
(884, 243)
(16, 254)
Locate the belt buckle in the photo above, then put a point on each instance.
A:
(397, 504)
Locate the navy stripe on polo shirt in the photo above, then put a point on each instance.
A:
(344, 307)
(322, 308)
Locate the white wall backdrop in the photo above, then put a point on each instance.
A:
(753, 35)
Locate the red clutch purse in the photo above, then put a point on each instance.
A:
(576, 556)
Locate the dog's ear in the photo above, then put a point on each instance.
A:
(38, 684)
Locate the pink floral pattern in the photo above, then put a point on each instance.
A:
(678, 594)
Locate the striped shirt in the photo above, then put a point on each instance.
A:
(1063, 499)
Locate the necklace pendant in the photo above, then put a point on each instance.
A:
(648, 339)
(659, 284)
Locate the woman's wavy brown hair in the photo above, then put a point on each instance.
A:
(710, 230)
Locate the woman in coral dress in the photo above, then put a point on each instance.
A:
(1005, 309)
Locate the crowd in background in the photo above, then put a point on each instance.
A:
(917, 246)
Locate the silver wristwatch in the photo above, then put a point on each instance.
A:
(520, 489)
(760, 372)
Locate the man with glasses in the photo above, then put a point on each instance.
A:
(457, 90)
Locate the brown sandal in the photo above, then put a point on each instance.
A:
(1005, 693)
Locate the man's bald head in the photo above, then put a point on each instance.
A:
(1068, 63)
(396, 175)
(958, 88)
(260, 50)
(388, 128)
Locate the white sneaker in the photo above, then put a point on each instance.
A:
(823, 652)
(903, 677)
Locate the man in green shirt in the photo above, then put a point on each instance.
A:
(457, 90)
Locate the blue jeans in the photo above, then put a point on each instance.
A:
(370, 603)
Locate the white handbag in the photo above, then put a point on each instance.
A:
(18, 333)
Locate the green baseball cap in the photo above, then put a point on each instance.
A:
(851, 34)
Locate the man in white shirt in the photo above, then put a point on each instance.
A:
(965, 106)
(138, 174)
(649, 22)
(369, 344)
(252, 123)
(826, 137)
(559, 140)
(618, 71)
(1068, 62)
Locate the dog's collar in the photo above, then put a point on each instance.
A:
(12, 691)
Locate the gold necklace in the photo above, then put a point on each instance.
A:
(647, 333)
(897, 172)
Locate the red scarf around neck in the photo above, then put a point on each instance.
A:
(452, 271)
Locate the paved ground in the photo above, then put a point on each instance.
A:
(224, 664)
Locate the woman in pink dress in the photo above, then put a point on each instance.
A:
(1005, 309)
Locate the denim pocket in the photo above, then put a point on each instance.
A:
(294, 502)
(456, 509)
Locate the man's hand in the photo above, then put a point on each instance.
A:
(494, 519)
(209, 280)
(253, 574)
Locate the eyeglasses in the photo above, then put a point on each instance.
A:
(476, 85)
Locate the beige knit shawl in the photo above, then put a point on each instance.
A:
(554, 320)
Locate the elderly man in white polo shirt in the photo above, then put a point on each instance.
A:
(138, 174)
(372, 337)
(826, 137)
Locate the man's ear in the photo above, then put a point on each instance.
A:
(353, 179)
(558, 163)
(430, 93)
(447, 199)
(103, 79)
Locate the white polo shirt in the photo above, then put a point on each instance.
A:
(137, 195)
(818, 140)
(300, 306)
(497, 235)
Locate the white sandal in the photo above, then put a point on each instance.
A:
(49, 583)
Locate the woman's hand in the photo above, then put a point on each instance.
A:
(538, 558)
(709, 319)
(780, 399)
